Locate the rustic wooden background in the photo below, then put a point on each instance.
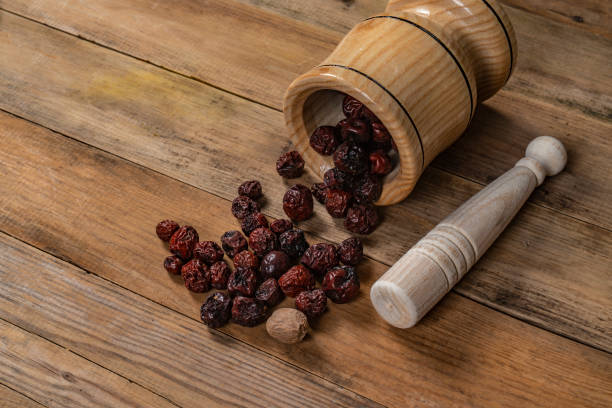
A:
(116, 114)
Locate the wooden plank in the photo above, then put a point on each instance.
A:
(562, 71)
(208, 139)
(13, 399)
(56, 377)
(99, 212)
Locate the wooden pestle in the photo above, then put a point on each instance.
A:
(415, 283)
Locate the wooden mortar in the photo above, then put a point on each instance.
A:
(421, 68)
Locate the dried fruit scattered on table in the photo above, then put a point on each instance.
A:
(196, 275)
(216, 310)
(311, 302)
(351, 107)
(380, 163)
(337, 179)
(208, 252)
(246, 259)
(361, 219)
(269, 292)
(320, 257)
(173, 264)
(242, 281)
(248, 311)
(351, 158)
(262, 241)
(253, 221)
(337, 202)
(280, 226)
(274, 264)
(341, 284)
(251, 189)
(233, 242)
(319, 192)
(165, 229)
(297, 279)
(350, 251)
(243, 206)
(287, 325)
(297, 203)
(293, 242)
(324, 140)
(290, 165)
(183, 241)
(219, 275)
(355, 130)
(369, 189)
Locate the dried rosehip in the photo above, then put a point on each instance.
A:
(196, 276)
(380, 134)
(233, 242)
(290, 165)
(324, 140)
(251, 189)
(319, 191)
(341, 284)
(219, 275)
(350, 251)
(297, 279)
(208, 252)
(320, 257)
(361, 219)
(274, 264)
(165, 229)
(262, 241)
(269, 292)
(351, 107)
(368, 115)
(337, 202)
(369, 189)
(336, 178)
(280, 226)
(248, 312)
(293, 243)
(217, 309)
(243, 206)
(173, 264)
(351, 158)
(242, 282)
(253, 221)
(183, 241)
(311, 302)
(380, 163)
(355, 130)
(246, 259)
(297, 203)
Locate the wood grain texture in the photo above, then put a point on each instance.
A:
(208, 137)
(56, 377)
(99, 212)
(13, 399)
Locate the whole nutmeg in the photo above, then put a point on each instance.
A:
(287, 325)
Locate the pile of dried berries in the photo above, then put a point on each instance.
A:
(271, 261)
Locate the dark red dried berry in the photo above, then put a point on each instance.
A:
(380, 163)
(208, 252)
(341, 284)
(351, 107)
(253, 221)
(251, 189)
(369, 189)
(297, 279)
(216, 310)
(219, 275)
(262, 241)
(320, 257)
(233, 242)
(351, 158)
(368, 115)
(274, 264)
(361, 219)
(196, 276)
(248, 312)
(355, 130)
(173, 264)
(243, 206)
(319, 192)
(183, 241)
(337, 202)
(311, 302)
(351, 251)
(280, 226)
(324, 140)
(293, 243)
(297, 203)
(338, 179)
(269, 292)
(380, 134)
(165, 229)
(242, 282)
(246, 259)
(290, 165)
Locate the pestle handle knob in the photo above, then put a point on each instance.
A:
(420, 278)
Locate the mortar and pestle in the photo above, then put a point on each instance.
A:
(422, 67)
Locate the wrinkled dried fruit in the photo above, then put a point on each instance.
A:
(196, 276)
(269, 292)
(324, 140)
(311, 302)
(251, 189)
(355, 130)
(297, 279)
(173, 264)
(242, 281)
(280, 226)
(216, 310)
(350, 251)
(219, 275)
(248, 312)
(233, 242)
(297, 203)
(290, 165)
(262, 241)
(337, 202)
(253, 221)
(369, 189)
(336, 178)
(183, 241)
(319, 192)
(361, 219)
(380, 134)
(341, 284)
(351, 158)
(287, 325)
(246, 259)
(380, 163)
(351, 107)
(293, 243)
(165, 229)
(274, 264)
(368, 115)
(208, 252)
(243, 206)
(320, 257)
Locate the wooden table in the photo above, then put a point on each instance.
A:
(116, 114)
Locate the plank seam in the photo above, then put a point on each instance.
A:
(17, 391)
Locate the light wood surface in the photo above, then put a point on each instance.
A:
(13, 399)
